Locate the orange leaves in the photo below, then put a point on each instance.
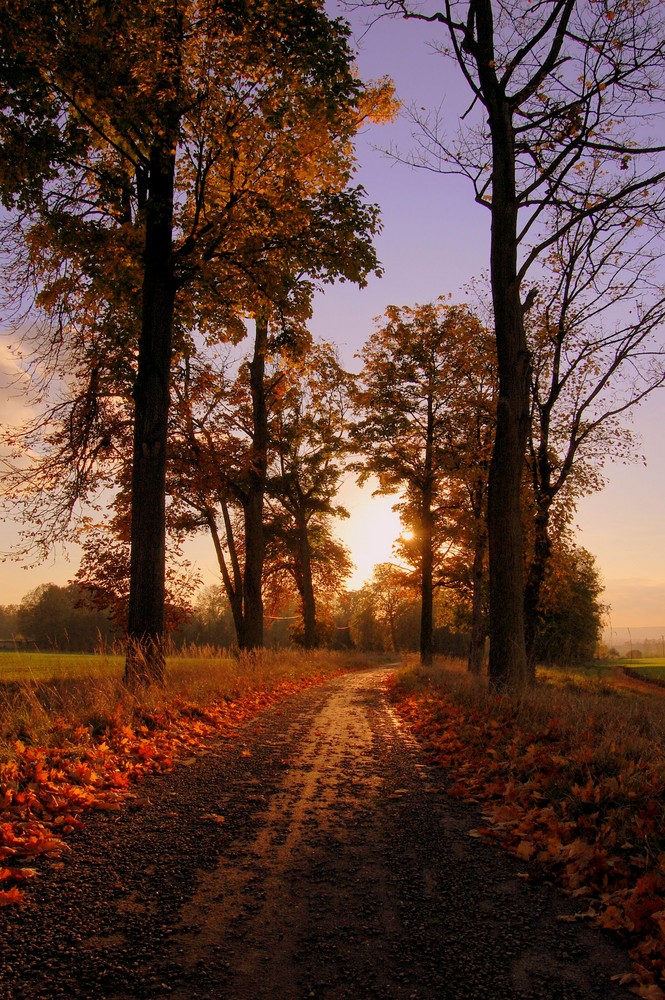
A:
(596, 822)
(45, 789)
(17, 874)
(10, 897)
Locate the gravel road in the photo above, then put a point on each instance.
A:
(316, 856)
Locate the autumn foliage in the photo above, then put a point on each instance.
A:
(584, 812)
(46, 789)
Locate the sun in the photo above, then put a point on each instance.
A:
(371, 530)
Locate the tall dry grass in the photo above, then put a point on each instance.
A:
(586, 706)
(36, 690)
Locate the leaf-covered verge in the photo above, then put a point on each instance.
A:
(72, 746)
(571, 779)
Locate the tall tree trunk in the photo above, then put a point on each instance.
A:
(233, 591)
(310, 638)
(507, 663)
(478, 632)
(426, 553)
(393, 632)
(534, 584)
(145, 630)
(253, 501)
(426, 589)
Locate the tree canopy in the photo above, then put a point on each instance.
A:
(188, 165)
(425, 404)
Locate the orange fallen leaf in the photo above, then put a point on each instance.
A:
(11, 897)
(525, 850)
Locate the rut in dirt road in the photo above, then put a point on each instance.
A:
(339, 870)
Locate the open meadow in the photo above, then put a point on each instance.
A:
(652, 668)
(37, 689)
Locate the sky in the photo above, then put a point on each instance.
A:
(434, 241)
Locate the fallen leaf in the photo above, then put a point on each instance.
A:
(11, 897)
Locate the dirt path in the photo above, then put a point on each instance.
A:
(639, 685)
(339, 870)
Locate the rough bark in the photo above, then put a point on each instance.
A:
(507, 661)
(231, 585)
(478, 631)
(145, 630)
(426, 553)
(253, 499)
(393, 632)
(306, 584)
(534, 584)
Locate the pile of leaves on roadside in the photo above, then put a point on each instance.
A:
(45, 789)
(591, 819)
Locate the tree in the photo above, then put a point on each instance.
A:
(8, 621)
(593, 336)
(390, 594)
(564, 93)
(58, 618)
(423, 395)
(211, 623)
(104, 571)
(571, 612)
(218, 471)
(307, 572)
(308, 438)
(194, 159)
(589, 370)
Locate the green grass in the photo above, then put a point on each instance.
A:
(598, 670)
(653, 667)
(19, 666)
(646, 661)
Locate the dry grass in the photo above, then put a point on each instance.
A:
(35, 689)
(585, 705)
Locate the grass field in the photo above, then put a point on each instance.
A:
(649, 667)
(19, 666)
(219, 670)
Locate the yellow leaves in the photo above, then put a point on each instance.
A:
(378, 102)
